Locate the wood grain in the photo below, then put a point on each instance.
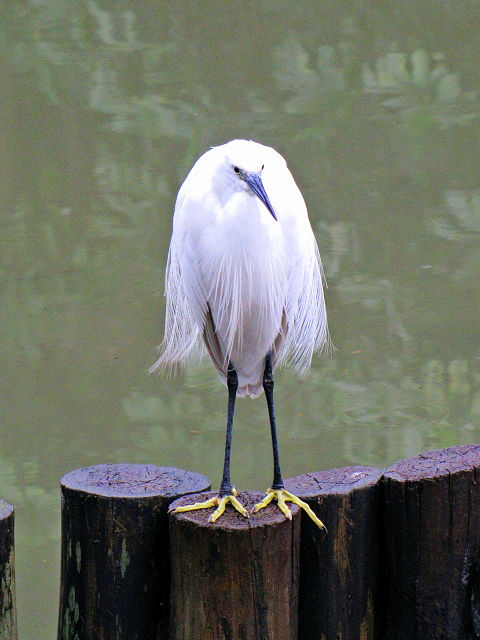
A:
(115, 572)
(339, 570)
(235, 579)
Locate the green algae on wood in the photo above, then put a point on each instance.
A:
(8, 614)
(115, 574)
(339, 570)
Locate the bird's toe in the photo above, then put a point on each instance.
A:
(282, 496)
(222, 503)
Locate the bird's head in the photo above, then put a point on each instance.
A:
(244, 162)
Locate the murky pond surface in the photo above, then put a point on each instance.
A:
(105, 106)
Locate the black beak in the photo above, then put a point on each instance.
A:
(255, 183)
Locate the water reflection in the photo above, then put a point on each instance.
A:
(105, 106)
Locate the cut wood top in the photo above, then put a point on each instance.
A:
(5, 509)
(231, 519)
(333, 481)
(134, 480)
(434, 464)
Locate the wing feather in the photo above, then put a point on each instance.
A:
(305, 311)
(212, 344)
(183, 318)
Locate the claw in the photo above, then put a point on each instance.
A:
(211, 502)
(283, 506)
(216, 501)
(263, 503)
(222, 503)
(282, 496)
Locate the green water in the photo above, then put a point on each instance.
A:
(104, 107)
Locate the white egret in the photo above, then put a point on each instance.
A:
(244, 280)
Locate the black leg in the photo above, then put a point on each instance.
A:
(232, 386)
(268, 388)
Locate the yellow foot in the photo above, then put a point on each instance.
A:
(282, 496)
(216, 501)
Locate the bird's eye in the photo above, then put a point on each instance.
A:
(236, 169)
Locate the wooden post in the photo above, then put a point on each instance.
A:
(236, 579)
(8, 613)
(432, 550)
(115, 570)
(339, 569)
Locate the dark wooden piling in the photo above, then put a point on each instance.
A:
(339, 570)
(432, 546)
(8, 613)
(115, 571)
(236, 579)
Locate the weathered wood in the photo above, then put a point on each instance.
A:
(339, 569)
(432, 546)
(8, 613)
(115, 571)
(236, 579)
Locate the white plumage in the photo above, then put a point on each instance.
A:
(237, 277)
